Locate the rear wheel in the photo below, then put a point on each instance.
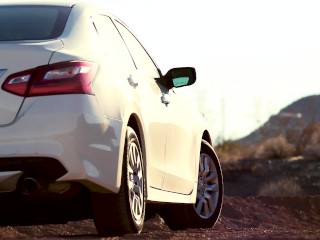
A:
(118, 214)
(205, 212)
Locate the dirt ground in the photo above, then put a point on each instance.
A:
(291, 211)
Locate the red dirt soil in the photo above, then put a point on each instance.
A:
(292, 211)
(259, 217)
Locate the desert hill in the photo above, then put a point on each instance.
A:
(299, 123)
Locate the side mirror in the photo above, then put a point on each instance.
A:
(179, 77)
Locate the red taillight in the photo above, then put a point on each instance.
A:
(60, 78)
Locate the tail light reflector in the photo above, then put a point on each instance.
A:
(61, 78)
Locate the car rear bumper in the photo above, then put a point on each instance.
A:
(61, 138)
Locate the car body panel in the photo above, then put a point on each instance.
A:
(180, 150)
(65, 3)
(70, 130)
(154, 119)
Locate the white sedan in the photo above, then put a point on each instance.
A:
(91, 128)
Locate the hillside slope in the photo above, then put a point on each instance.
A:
(295, 122)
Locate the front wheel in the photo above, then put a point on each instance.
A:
(118, 214)
(206, 210)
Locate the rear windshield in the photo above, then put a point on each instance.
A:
(32, 22)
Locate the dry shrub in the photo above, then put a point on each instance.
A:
(281, 187)
(229, 151)
(309, 142)
(275, 148)
(311, 151)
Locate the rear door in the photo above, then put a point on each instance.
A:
(153, 111)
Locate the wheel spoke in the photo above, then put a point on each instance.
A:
(137, 190)
(136, 198)
(206, 211)
(135, 204)
(138, 163)
(206, 170)
(130, 170)
(211, 203)
(212, 175)
(139, 170)
(201, 167)
(200, 205)
(130, 185)
(137, 160)
(136, 156)
(131, 156)
(212, 188)
(138, 206)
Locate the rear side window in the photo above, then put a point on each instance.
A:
(139, 54)
(112, 44)
(32, 22)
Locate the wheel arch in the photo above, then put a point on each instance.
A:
(208, 146)
(135, 123)
(206, 136)
(205, 142)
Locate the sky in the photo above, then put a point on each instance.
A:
(252, 57)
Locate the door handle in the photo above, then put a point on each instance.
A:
(165, 99)
(132, 81)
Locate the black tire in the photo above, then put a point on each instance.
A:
(206, 211)
(118, 214)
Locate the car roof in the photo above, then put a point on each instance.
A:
(65, 3)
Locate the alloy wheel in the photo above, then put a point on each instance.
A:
(208, 187)
(135, 181)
